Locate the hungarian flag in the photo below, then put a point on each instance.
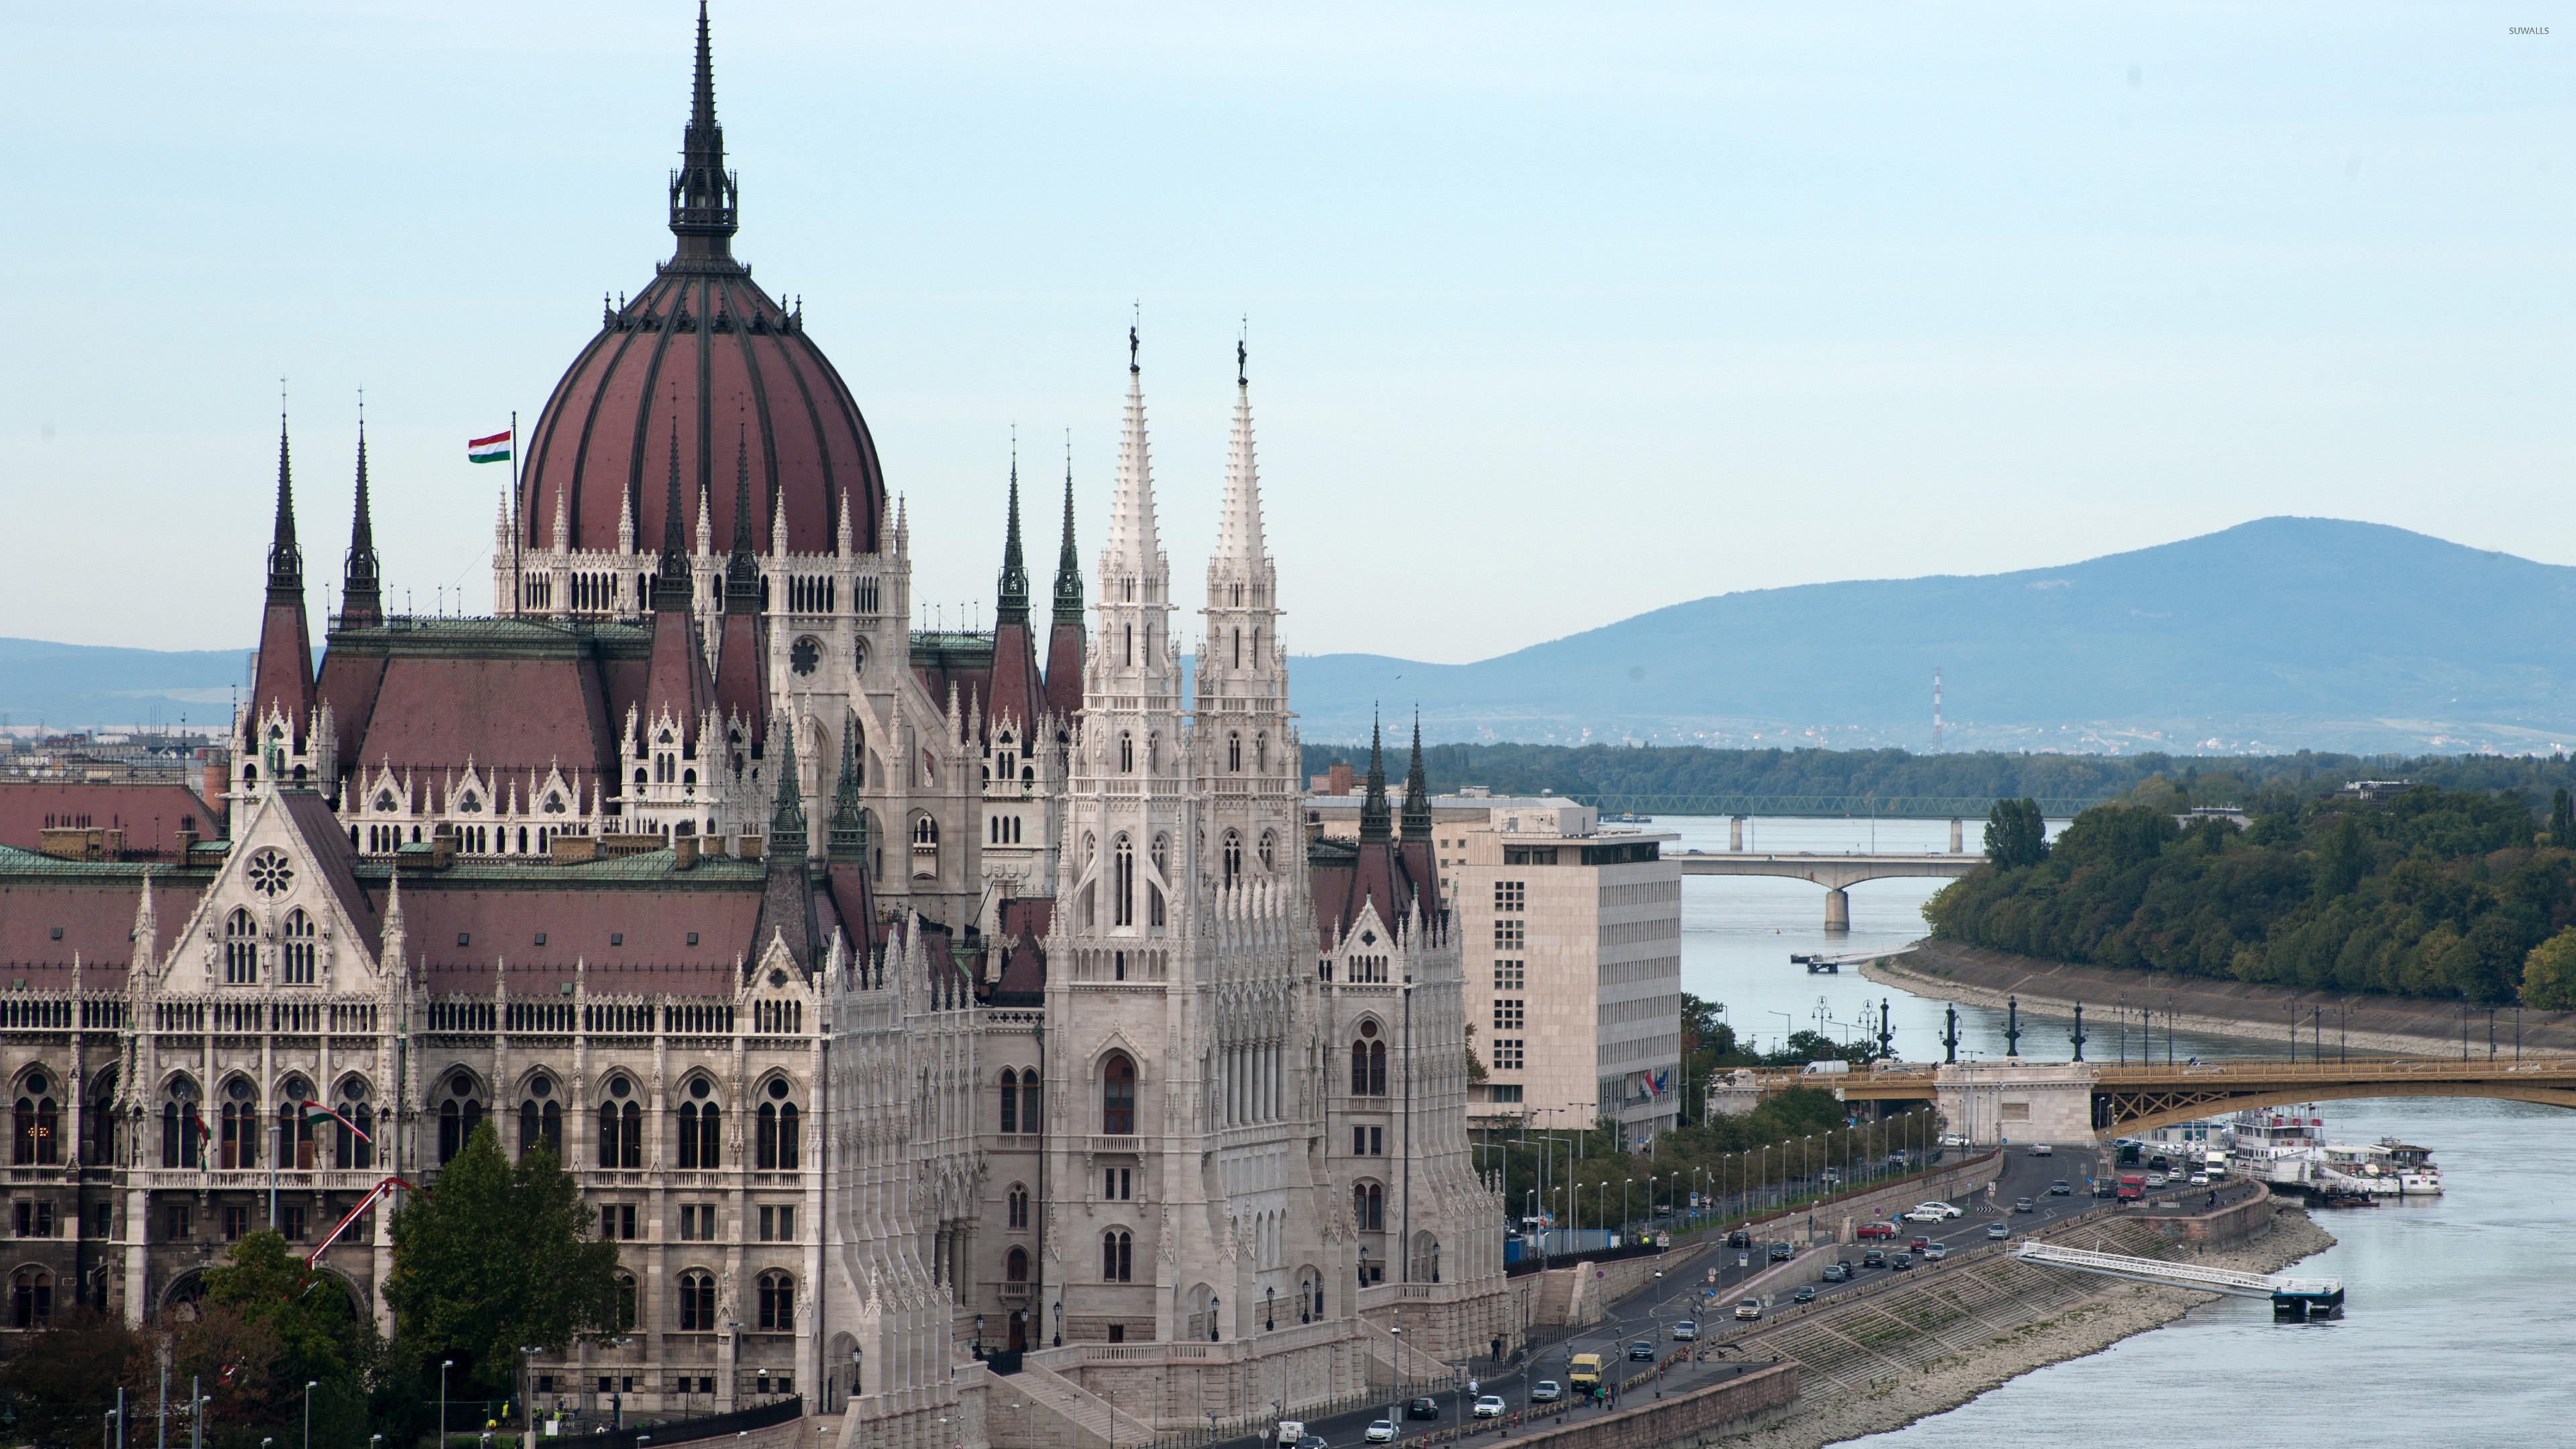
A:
(315, 1114)
(494, 449)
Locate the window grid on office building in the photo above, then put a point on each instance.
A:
(1507, 1054)
(1509, 976)
(1507, 935)
(1508, 1014)
(1509, 896)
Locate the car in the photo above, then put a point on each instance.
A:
(2200, 1179)
(1489, 1407)
(2159, 1164)
(1546, 1391)
(2060, 1188)
(1380, 1431)
(2155, 1180)
(2041, 1149)
(1935, 1252)
(1806, 1294)
(1871, 1231)
(1422, 1409)
(2105, 1188)
(1292, 1431)
(1919, 1242)
(1837, 1273)
(1997, 1232)
(1643, 1349)
(1942, 1208)
(1927, 1215)
(1874, 1258)
(1829, 1175)
(1749, 1309)
(1685, 1331)
(1901, 1262)
(1739, 1238)
(2024, 1205)
(1311, 1441)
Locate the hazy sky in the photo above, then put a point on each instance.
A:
(1557, 313)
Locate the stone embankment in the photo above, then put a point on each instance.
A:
(2364, 1025)
(1882, 1362)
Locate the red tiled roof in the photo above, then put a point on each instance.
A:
(151, 813)
(94, 909)
(507, 715)
(1028, 921)
(499, 921)
(1015, 691)
(1064, 671)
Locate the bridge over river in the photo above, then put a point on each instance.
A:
(1836, 873)
(2018, 1101)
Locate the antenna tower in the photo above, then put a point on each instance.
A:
(1936, 709)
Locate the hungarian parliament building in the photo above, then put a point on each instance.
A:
(939, 1022)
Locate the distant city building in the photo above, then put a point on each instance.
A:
(1572, 936)
(1333, 813)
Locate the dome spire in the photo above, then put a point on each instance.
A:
(361, 600)
(742, 571)
(285, 560)
(1068, 564)
(703, 193)
(672, 584)
(1013, 606)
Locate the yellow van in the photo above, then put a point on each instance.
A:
(1583, 1373)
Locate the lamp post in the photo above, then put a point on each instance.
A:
(443, 1366)
(1215, 1306)
(1392, 1416)
(309, 1386)
(1625, 1222)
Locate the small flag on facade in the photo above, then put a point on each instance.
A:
(494, 449)
(315, 1114)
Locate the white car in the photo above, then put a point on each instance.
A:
(1749, 1309)
(1381, 1431)
(1489, 1407)
(1929, 1213)
(2200, 1179)
(1943, 1208)
(2041, 1149)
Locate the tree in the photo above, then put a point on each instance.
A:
(2549, 973)
(2016, 836)
(498, 1258)
(304, 1320)
(60, 1379)
(2562, 820)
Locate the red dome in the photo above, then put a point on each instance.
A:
(703, 361)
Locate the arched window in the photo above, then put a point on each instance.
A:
(1018, 1200)
(183, 1125)
(1368, 1207)
(701, 1125)
(458, 1116)
(1377, 1069)
(776, 1134)
(1010, 1099)
(299, 953)
(1015, 1266)
(1117, 1256)
(240, 1147)
(621, 1127)
(541, 1118)
(354, 1146)
(1234, 742)
(31, 1298)
(697, 1302)
(241, 949)
(1122, 894)
(1233, 857)
(38, 1123)
(623, 1313)
(777, 1302)
(1029, 1100)
(1359, 1069)
(1126, 754)
(1118, 1096)
(1269, 851)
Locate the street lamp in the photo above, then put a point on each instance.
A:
(443, 1366)
(309, 1386)
(1624, 1184)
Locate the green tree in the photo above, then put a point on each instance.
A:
(2562, 820)
(318, 1334)
(60, 1379)
(2016, 836)
(496, 1258)
(2549, 973)
(2343, 860)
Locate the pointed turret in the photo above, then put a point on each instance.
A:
(1374, 824)
(677, 686)
(1065, 640)
(1135, 547)
(742, 643)
(742, 568)
(282, 684)
(1417, 792)
(1011, 586)
(673, 588)
(1239, 535)
(703, 193)
(849, 822)
(787, 897)
(1016, 692)
(361, 581)
(787, 812)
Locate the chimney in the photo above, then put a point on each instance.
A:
(1337, 778)
(684, 853)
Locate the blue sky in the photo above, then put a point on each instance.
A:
(1558, 313)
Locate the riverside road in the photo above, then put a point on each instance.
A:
(1687, 1292)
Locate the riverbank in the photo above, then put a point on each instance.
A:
(2365, 1025)
(1957, 1371)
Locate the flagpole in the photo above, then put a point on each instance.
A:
(518, 584)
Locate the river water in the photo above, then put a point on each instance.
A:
(2456, 1328)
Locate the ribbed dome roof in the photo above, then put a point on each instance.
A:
(703, 361)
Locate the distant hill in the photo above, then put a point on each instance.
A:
(76, 685)
(2280, 634)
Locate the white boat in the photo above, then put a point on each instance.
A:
(2281, 1145)
(2416, 1174)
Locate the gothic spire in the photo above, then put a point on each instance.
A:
(361, 603)
(787, 819)
(1373, 811)
(703, 192)
(742, 571)
(1417, 793)
(1135, 548)
(285, 560)
(849, 823)
(1013, 606)
(1239, 532)
(1068, 564)
(672, 582)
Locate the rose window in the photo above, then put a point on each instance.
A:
(270, 875)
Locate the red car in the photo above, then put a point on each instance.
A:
(1876, 1230)
(1919, 1244)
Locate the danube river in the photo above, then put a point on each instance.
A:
(2456, 1329)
